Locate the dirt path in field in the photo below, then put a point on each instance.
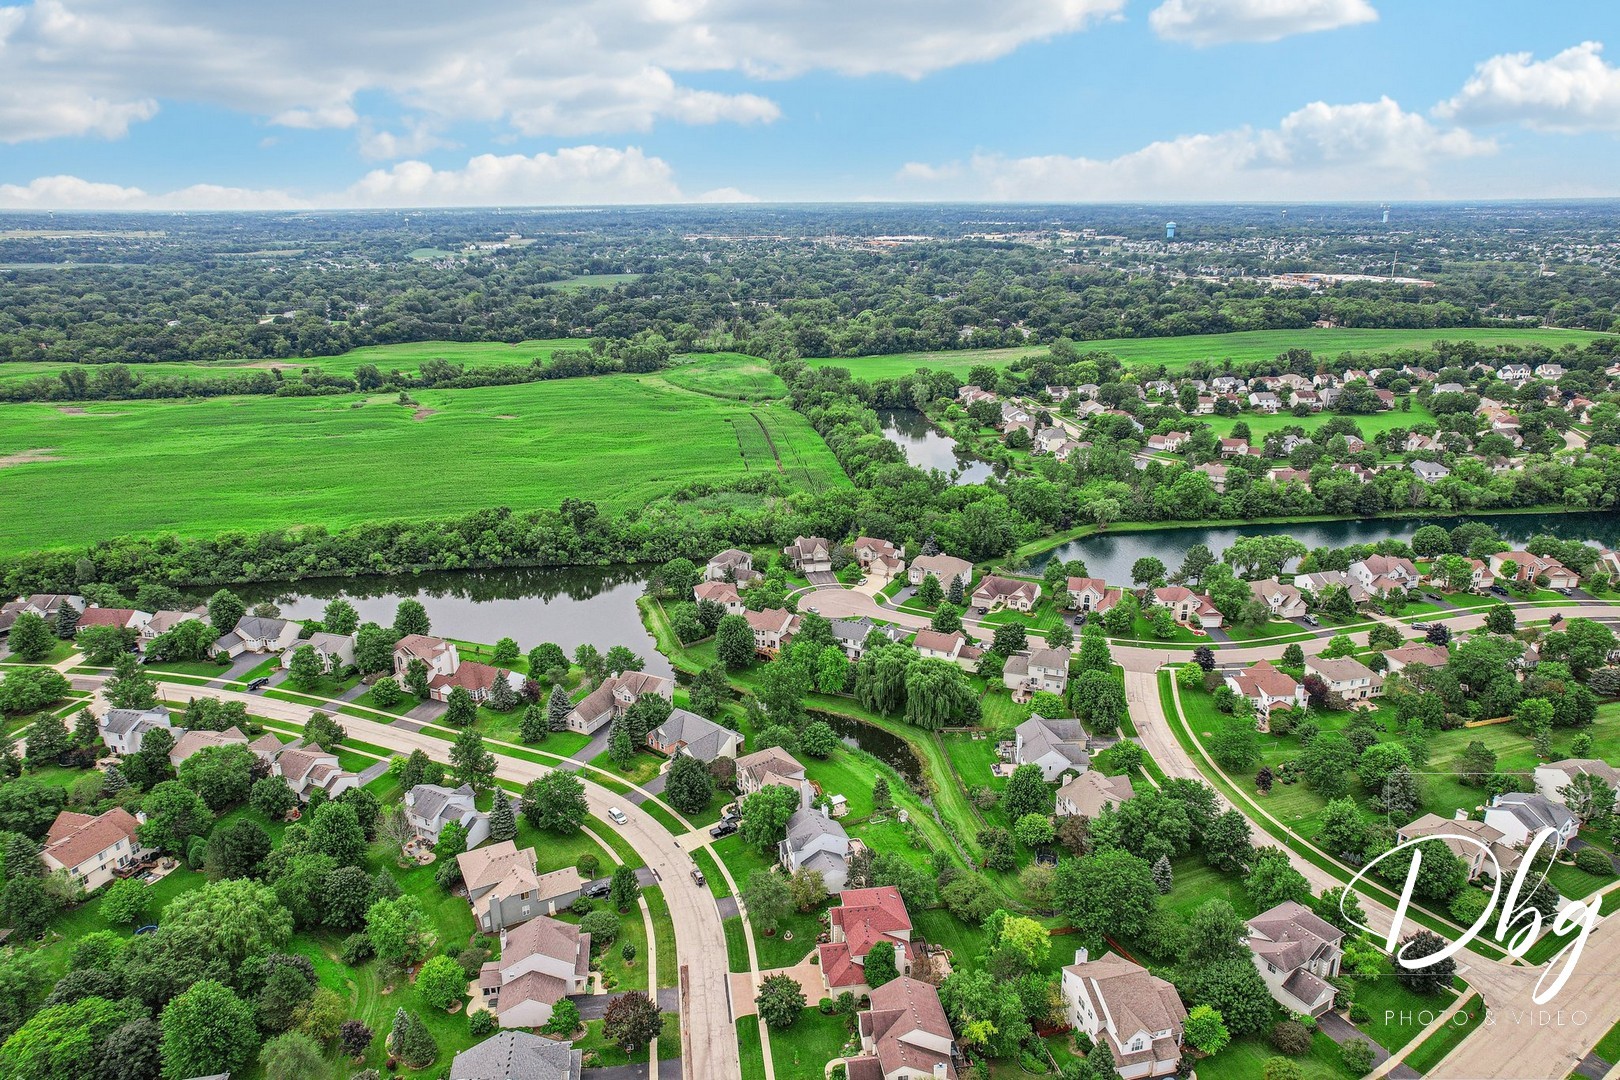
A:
(28, 457)
(423, 414)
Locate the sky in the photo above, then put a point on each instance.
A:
(185, 104)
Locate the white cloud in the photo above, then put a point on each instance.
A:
(1321, 151)
(1220, 22)
(573, 176)
(543, 67)
(1572, 92)
(417, 138)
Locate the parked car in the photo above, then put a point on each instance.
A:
(617, 815)
(1565, 592)
(598, 890)
(697, 876)
(1498, 590)
(1421, 625)
(723, 830)
(1310, 620)
(260, 683)
(1434, 598)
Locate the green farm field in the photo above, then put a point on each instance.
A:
(1249, 345)
(1372, 424)
(204, 467)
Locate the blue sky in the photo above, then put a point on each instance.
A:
(155, 103)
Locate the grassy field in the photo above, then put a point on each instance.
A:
(592, 281)
(257, 462)
(1372, 425)
(1178, 352)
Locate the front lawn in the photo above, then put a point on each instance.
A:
(802, 1051)
(643, 767)
(600, 1053)
(1245, 1059)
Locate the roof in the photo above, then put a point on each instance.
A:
(939, 642)
(770, 619)
(633, 683)
(543, 936)
(1050, 659)
(1427, 655)
(296, 764)
(104, 616)
(259, 628)
(1039, 736)
(421, 645)
(470, 675)
(901, 1010)
(702, 737)
(1595, 766)
(1091, 790)
(945, 566)
(998, 587)
(1081, 584)
(1340, 669)
(429, 801)
(1132, 998)
(806, 825)
(162, 622)
(1291, 934)
(1433, 824)
(806, 546)
(77, 838)
(517, 1055)
(771, 761)
(731, 557)
(1263, 678)
(121, 721)
(717, 592)
(1535, 811)
(193, 741)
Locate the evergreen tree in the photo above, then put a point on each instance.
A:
(1163, 875)
(112, 781)
(67, 621)
(880, 794)
(460, 710)
(502, 819)
(535, 724)
(956, 594)
(621, 745)
(558, 707)
(502, 698)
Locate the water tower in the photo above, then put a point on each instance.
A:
(1169, 230)
(1386, 213)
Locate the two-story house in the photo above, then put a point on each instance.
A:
(257, 634)
(1556, 775)
(91, 849)
(862, 919)
(518, 1055)
(118, 618)
(446, 670)
(953, 646)
(542, 961)
(1137, 1014)
(613, 696)
(45, 605)
(1266, 688)
(1349, 678)
(815, 840)
(308, 769)
(187, 743)
(1056, 746)
(1006, 592)
(1523, 566)
(851, 634)
(429, 808)
(946, 568)
(1518, 817)
(1087, 794)
(880, 559)
(731, 565)
(772, 627)
(1026, 673)
(1283, 601)
(334, 651)
(1382, 574)
(1432, 656)
(695, 736)
(1092, 594)
(1296, 953)
(723, 593)
(772, 766)
(809, 554)
(162, 622)
(905, 1035)
(1187, 606)
(505, 889)
(1170, 442)
(1481, 847)
(122, 730)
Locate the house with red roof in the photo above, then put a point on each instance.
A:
(863, 918)
(90, 849)
(905, 1035)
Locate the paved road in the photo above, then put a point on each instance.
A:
(710, 1049)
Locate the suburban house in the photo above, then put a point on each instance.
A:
(809, 554)
(1284, 601)
(309, 768)
(45, 605)
(905, 1035)
(817, 841)
(446, 669)
(1422, 655)
(429, 808)
(187, 743)
(772, 765)
(518, 1055)
(1033, 670)
(1430, 472)
(723, 593)
(944, 567)
(1264, 402)
(1315, 583)
(504, 889)
(772, 627)
(1088, 793)
(1170, 441)
(1136, 1013)
(1185, 604)
(1092, 594)
(542, 961)
(123, 729)
(1518, 817)
(1216, 473)
(731, 565)
(690, 734)
(1266, 688)
(1006, 592)
(953, 646)
(851, 634)
(1381, 574)
(1474, 857)
(970, 393)
(162, 622)
(256, 634)
(1233, 447)
(1296, 953)
(1056, 746)
(1558, 774)
(1350, 679)
(89, 849)
(616, 694)
(334, 651)
(880, 558)
(1523, 566)
(122, 618)
(863, 918)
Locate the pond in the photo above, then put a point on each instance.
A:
(1109, 555)
(569, 605)
(886, 746)
(926, 448)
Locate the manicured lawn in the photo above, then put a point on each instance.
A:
(60, 651)
(206, 669)
(1195, 882)
(1436, 1046)
(664, 933)
(399, 708)
(1398, 1015)
(1245, 1059)
(711, 873)
(776, 950)
(643, 767)
(1276, 628)
(600, 1053)
(617, 974)
(748, 1048)
(1000, 710)
(802, 1051)
(1045, 616)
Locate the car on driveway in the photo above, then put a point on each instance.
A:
(1310, 620)
(260, 683)
(598, 890)
(723, 830)
(617, 815)
(1498, 590)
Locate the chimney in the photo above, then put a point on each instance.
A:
(939, 1070)
(1081, 955)
(1460, 815)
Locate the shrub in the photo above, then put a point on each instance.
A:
(1592, 861)
(1358, 1056)
(480, 1022)
(602, 925)
(1291, 1038)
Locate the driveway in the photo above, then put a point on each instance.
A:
(239, 667)
(428, 711)
(822, 579)
(1342, 1031)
